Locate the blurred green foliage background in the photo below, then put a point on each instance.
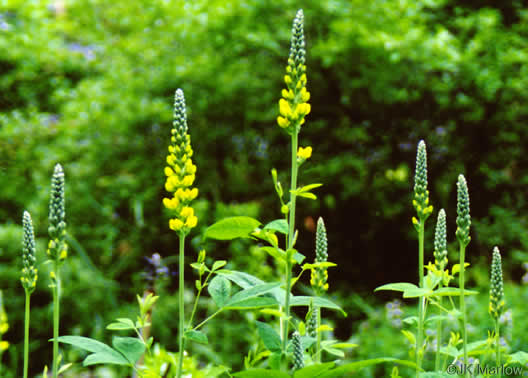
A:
(90, 83)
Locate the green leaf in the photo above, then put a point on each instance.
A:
(452, 291)
(298, 257)
(232, 228)
(276, 253)
(307, 195)
(251, 303)
(279, 225)
(314, 370)
(518, 358)
(220, 290)
(197, 336)
(121, 324)
(400, 286)
(327, 346)
(269, 336)
(317, 301)
(85, 343)
(219, 264)
(261, 373)
(114, 358)
(309, 187)
(416, 292)
(131, 347)
(246, 281)
(274, 360)
(345, 370)
(255, 291)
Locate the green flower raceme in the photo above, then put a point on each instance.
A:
(496, 303)
(29, 272)
(319, 276)
(180, 171)
(298, 354)
(57, 247)
(311, 322)
(440, 242)
(421, 194)
(294, 106)
(463, 218)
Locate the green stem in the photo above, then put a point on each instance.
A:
(463, 302)
(319, 336)
(291, 232)
(419, 336)
(438, 335)
(209, 318)
(181, 303)
(497, 330)
(56, 307)
(26, 336)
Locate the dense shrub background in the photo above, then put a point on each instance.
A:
(90, 84)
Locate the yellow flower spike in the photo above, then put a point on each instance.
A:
(168, 171)
(188, 180)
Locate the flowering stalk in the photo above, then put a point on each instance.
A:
(298, 354)
(496, 304)
(28, 278)
(293, 107)
(440, 255)
(423, 210)
(462, 233)
(57, 251)
(319, 278)
(180, 172)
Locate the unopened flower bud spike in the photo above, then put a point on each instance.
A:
(57, 251)
(28, 278)
(463, 222)
(423, 211)
(440, 255)
(496, 302)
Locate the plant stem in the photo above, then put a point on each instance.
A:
(181, 303)
(56, 305)
(463, 302)
(318, 333)
(438, 335)
(26, 335)
(291, 232)
(419, 336)
(497, 330)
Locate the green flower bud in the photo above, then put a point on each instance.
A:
(463, 218)
(496, 303)
(319, 276)
(298, 354)
(440, 242)
(297, 57)
(421, 194)
(29, 272)
(179, 122)
(57, 248)
(311, 321)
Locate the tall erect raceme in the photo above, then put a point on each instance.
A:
(440, 242)
(496, 303)
(180, 171)
(294, 106)
(57, 247)
(29, 271)
(463, 218)
(421, 194)
(319, 277)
